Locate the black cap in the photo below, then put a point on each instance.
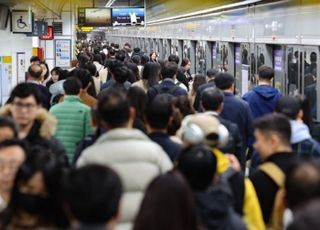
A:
(289, 106)
(198, 164)
(224, 80)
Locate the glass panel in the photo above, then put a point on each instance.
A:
(216, 56)
(174, 47)
(200, 58)
(165, 49)
(310, 79)
(293, 67)
(253, 68)
(187, 49)
(224, 57)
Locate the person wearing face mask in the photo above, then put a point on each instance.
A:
(35, 197)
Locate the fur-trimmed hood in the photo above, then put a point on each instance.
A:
(47, 121)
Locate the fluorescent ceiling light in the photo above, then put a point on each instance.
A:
(109, 3)
(201, 12)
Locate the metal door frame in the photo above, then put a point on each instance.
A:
(301, 69)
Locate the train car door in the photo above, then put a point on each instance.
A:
(245, 67)
(223, 56)
(302, 74)
(201, 57)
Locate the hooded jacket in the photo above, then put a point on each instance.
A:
(42, 133)
(136, 159)
(262, 99)
(74, 122)
(56, 89)
(302, 142)
(215, 209)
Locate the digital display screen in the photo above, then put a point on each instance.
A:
(95, 17)
(128, 17)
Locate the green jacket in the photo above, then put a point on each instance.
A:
(74, 122)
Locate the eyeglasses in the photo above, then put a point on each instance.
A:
(20, 106)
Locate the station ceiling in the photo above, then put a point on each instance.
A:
(156, 9)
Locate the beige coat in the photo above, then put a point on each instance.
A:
(136, 159)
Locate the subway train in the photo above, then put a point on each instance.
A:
(239, 38)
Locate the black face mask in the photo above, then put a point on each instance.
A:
(32, 204)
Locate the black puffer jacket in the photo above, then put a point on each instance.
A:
(215, 209)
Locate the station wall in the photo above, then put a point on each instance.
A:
(10, 45)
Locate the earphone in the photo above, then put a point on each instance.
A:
(193, 134)
(223, 136)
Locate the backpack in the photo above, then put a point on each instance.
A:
(166, 90)
(234, 179)
(278, 177)
(245, 197)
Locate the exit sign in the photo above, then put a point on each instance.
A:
(49, 35)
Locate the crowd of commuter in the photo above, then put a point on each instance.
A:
(125, 141)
